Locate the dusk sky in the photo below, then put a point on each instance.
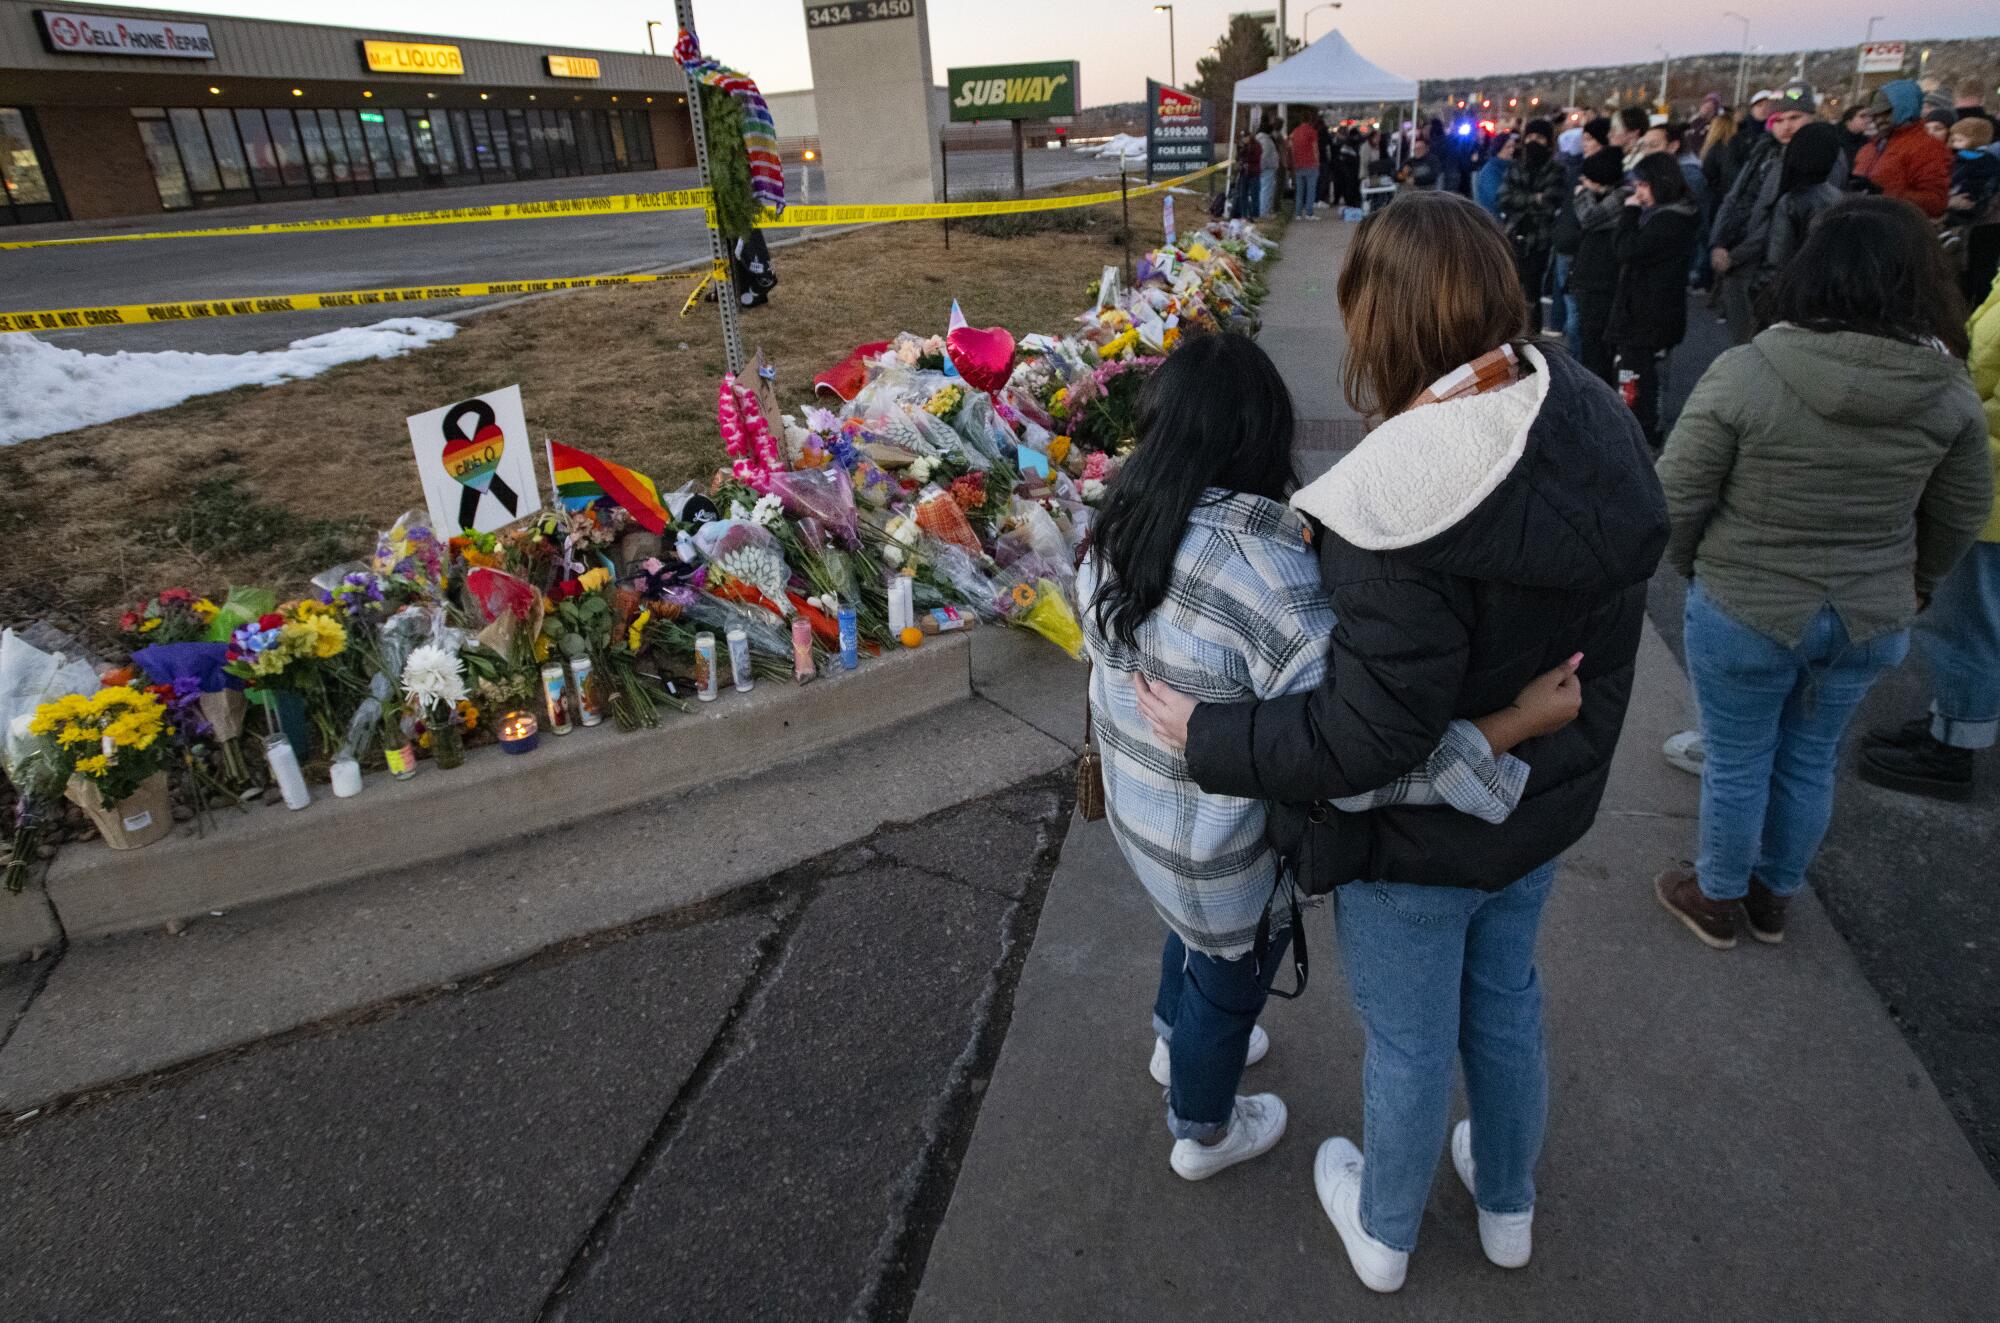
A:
(1123, 42)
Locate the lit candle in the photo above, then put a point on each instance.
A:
(518, 732)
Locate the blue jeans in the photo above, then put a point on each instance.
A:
(1246, 195)
(1205, 1010)
(1305, 187)
(1566, 301)
(1442, 975)
(1959, 638)
(1267, 193)
(1771, 720)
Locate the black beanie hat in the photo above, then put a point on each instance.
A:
(1540, 126)
(1600, 129)
(1605, 168)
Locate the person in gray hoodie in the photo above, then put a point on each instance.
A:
(1820, 483)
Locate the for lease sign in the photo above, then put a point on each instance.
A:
(1013, 91)
(107, 34)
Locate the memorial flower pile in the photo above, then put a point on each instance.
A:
(935, 481)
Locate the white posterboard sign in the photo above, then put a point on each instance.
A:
(477, 465)
(1882, 57)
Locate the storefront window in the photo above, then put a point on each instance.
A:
(285, 139)
(196, 158)
(20, 167)
(157, 137)
(374, 127)
(229, 162)
(586, 140)
(399, 141)
(315, 148)
(357, 145)
(257, 149)
(526, 162)
(617, 122)
(469, 154)
(639, 139)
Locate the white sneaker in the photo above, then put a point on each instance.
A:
(1686, 751)
(1337, 1177)
(1256, 1123)
(1507, 1238)
(1163, 1062)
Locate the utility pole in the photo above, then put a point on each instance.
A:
(1742, 60)
(1873, 19)
(726, 300)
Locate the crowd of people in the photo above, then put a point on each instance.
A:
(1402, 684)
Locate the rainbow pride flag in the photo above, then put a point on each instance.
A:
(582, 477)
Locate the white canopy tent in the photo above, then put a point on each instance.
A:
(1327, 73)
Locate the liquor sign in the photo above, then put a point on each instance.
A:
(1180, 130)
(1882, 57)
(571, 66)
(857, 11)
(110, 34)
(1012, 91)
(412, 57)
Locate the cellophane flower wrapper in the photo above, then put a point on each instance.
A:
(1043, 605)
(941, 517)
(239, 608)
(894, 383)
(753, 554)
(30, 677)
(1035, 528)
(760, 627)
(975, 588)
(987, 440)
(823, 494)
(410, 549)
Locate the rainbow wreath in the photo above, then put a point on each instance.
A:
(760, 133)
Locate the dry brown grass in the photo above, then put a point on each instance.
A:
(616, 371)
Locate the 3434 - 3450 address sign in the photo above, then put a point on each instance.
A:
(858, 11)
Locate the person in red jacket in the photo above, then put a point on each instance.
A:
(1904, 161)
(1305, 166)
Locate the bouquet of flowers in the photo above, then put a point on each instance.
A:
(108, 747)
(289, 650)
(174, 615)
(434, 686)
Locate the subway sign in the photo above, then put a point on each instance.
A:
(1012, 91)
(412, 57)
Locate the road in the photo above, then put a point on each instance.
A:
(248, 266)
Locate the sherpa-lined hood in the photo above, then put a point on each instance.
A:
(1546, 483)
(1855, 379)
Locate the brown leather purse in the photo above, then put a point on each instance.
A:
(1089, 764)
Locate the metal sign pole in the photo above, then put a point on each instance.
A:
(725, 286)
(944, 182)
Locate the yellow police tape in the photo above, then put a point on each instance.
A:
(63, 319)
(800, 216)
(684, 199)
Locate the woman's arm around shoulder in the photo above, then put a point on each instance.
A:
(1395, 667)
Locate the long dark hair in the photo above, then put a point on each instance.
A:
(1215, 414)
(1871, 264)
(1662, 173)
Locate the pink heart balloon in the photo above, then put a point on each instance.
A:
(983, 355)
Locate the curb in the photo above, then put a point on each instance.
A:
(269, 853)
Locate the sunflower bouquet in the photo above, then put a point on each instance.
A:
(111, 747)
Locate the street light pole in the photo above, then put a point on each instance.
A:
(1305, 24)
(1743, 60)
(1173, 60)
(1665, 65)
(652, 23)
(1873, 19)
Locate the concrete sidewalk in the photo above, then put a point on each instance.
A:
(1739, 1135)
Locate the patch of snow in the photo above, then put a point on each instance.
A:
(1126, 145)
(45, 389)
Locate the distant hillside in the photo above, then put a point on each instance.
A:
(1952, 64)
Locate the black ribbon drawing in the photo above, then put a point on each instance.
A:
(486, 430)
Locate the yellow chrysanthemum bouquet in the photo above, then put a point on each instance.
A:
(113, 738)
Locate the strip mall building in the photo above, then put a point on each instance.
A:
(118, 112)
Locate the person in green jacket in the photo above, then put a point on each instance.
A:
(1959, 637)
(1821, 483)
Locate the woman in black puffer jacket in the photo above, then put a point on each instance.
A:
(1656, 238)
(1503, 518)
